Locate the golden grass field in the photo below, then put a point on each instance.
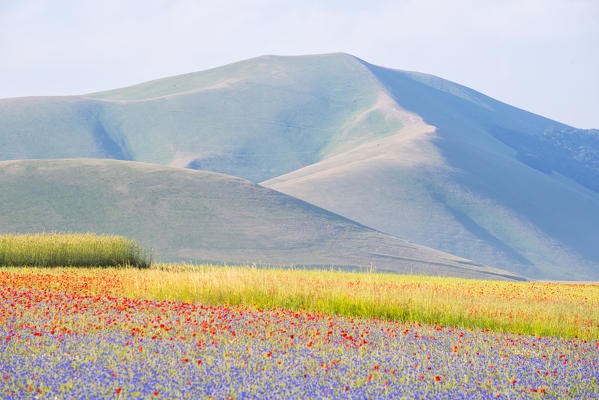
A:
(547, 309)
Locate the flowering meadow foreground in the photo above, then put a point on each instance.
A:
(71, 335)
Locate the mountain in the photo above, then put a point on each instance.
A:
(409, 154)
(203, 216)
(255, 119)
(471, 176)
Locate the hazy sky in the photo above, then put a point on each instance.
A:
(540, 55)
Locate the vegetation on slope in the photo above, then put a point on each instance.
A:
(76, 250)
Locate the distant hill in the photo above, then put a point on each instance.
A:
(410, 154)
(203, 216)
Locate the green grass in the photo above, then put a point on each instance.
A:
(79, 250)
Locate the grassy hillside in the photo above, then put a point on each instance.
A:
(255, 119)
(405, 153)
(193, 215)
(471, 176)
(56, 127)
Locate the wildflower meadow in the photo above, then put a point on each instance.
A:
(71, 334)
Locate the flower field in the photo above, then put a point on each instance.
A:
(66, 334)
(536, 308)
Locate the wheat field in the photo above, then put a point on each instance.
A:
(77, 250)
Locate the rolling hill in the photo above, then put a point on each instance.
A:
(203, 216)
(409, 154)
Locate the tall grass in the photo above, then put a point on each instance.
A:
(77, 250)
(526, 307)
(547, 309)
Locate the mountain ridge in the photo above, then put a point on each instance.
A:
(455, 213)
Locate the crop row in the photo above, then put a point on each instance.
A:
(77, 250)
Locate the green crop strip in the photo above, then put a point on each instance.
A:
(72, 250)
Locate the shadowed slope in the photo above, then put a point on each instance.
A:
(57, 127)
(473, 176)
(196, 215)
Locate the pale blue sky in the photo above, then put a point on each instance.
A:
(540, 55)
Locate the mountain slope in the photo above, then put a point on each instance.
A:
(474, 177)
(405, 153)
(255, 119)
(196, 215)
